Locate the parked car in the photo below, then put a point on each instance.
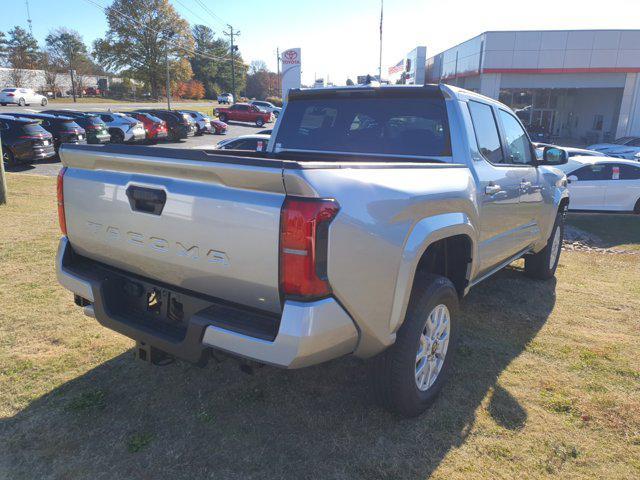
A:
(122, 128)
(245, 142)
(219, 128)
(225, 98)
(24, 140)
(154, 127)
(95, 129)
(357, 240)
(624, 147)
(21, 97)
(178, 126)
(603, 184)
(202, 121)
(63, 129)
(267, 107)
(570, 151)
(243, 112)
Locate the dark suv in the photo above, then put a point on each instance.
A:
(95, 129)
(63, 129)
(24, 140)
(179, 127)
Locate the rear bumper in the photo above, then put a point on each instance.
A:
(306, 333)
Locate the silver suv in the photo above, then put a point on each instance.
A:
(123, 129)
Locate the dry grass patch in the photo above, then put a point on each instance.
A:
(546, 385)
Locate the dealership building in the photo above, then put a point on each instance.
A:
(575, 86)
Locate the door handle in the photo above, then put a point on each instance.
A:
(492, 189)
(147, 200)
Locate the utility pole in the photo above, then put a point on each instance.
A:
(3, 182)
(279, 85)
(380, 60)
(29, 17)
(166, 56)
(230, 34)
(73, 84)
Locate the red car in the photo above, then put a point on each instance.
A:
(154, 128)
(220, 128)
(243, 112)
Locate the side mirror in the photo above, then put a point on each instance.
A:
(572, 178)
(554, 156)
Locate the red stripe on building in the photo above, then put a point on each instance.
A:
(564, 70)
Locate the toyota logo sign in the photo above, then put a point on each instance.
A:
(290, 57)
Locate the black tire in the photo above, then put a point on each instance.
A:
(3, 104)
(393, 372)
(21, 102)
(636, 209)
(44, 102)
(223, 118)
(259, 122)
(117, 136)
(8, 157)
(541, 265)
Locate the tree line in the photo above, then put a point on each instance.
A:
(143, 38)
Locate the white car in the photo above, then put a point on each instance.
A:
(21, 97)
(256, 143)
(603, 184)
(624, 147)
(225, 98)
(267, 107)
(122, 128)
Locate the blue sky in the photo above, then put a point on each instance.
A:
(339, 38)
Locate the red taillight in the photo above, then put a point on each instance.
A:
(304, 231)
(60, 193)
(10, 95)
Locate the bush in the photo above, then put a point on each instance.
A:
(277, 101)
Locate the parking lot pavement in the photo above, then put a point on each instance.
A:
(51, 167)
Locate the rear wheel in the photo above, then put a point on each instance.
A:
(543, 265)
(223, 118)
(3, 104)
(407, 377)
(636, 209)
(117, 136)
(21, 102)
(44, 101)
(7, 157)
(259, 122)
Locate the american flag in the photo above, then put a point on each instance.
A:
(397, 67)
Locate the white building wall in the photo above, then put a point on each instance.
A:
(629, 119)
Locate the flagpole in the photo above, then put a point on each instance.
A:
(380, 59)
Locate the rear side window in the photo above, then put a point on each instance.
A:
(484, 123)
(627, 172)
(33, 129)
(390, 126)
(9, 90)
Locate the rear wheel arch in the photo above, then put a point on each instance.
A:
(452, 232)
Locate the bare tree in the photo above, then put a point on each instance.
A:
(51, 72)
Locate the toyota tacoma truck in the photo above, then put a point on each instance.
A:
(244, 112)
(372, 212)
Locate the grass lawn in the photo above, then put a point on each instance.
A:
(546, 384)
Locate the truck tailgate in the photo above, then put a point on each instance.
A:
(186, 218)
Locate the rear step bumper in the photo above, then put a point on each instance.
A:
(307, 333)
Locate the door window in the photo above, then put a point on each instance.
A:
(484, 124)
(596, 172)
(517, 143)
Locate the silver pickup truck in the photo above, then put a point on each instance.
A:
(371, 212)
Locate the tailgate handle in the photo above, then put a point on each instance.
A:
(145, 199)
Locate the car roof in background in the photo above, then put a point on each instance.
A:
(589, 160)
(17, 119)
(43, 116)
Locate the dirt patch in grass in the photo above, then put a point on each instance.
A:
(546, 384)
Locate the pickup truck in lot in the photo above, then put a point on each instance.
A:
(244, 112)
(372, 212)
